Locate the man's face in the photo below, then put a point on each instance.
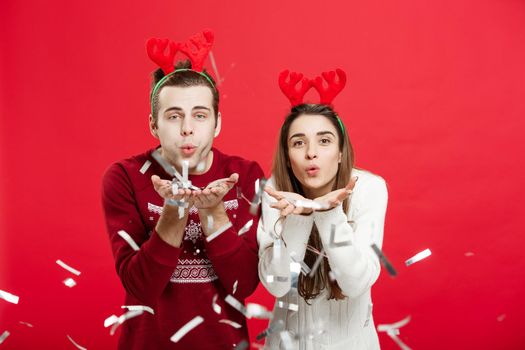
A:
(186, 126)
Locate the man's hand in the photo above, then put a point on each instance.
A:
(213, 194)
(165, 190)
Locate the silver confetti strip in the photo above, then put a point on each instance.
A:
(391, 326)
(181, 212)
(176, 203)
(219, 231)
(239, 192)
(231, 323)
(259, 185)
(4, 336)
(384, 261)
(216, 307)
(235, 286)
(276, 249)
(128, 239)
(392, 330)
(305, 269)
(317, 263)
(418, 257)
(276, 326)
(111, 320)
(283, 305)
(75, 343)
(26, 324)
(123, 318)
(67, 267)
(145, 167)
(11, 298)
(138, 307)
(197, 320)
(258, 311)
(168, 168)
(245, 228)
(70, 282)
(332, 239)
(237, 305)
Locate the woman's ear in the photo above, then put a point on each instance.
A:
(340, 157)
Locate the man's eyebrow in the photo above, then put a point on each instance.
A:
(201, 107)
(178, 109)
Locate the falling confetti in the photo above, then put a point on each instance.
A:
(271, 279)
(246, 227)
(216, 307)
(138, 307)
(70, 282)
(26, 324)
(231, 323)
(332, 239)
(283, 305)
(4, 336)
(68, 268)
(384, 261)
(317, 263)
(75, 343)
(123, 318)
(197, 320)
(219, 231)
(235, 286)
(11, 298)
(419, 256)
(392, 330)
(128, 239)
(236, 304)
(145, 167)
(258, 311)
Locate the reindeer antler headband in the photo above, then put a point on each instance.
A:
(162, 52)
(288, 82)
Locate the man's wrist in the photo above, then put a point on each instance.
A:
(213, 218)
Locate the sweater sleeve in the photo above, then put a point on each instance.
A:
(146, 272)
(234, 257)
(356, 267)
(274, 262)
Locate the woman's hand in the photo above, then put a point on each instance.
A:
(286, 202)
(334, 198)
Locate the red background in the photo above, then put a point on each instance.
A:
(434, 104)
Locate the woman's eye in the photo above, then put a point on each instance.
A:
(297, 143)
(325, 141)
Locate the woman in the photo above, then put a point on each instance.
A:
(322, 213)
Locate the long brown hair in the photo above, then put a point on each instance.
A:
(285, 180)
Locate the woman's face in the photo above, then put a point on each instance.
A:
(313, 149)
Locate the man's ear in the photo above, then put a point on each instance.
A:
(153, 127)
(218, 125)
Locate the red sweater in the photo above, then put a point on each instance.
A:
(180, 283)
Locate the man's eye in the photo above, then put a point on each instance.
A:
(200, 116)
(174, 116)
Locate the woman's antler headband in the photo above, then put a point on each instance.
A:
(296, 93)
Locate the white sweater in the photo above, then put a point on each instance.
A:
(343, 324)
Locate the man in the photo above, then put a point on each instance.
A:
(193, 247)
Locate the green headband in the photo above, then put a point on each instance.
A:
(340, 124)
(164, 78)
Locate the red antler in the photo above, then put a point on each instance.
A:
(334, 88)
(289, 88)
(156, 51)
(197, 54)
